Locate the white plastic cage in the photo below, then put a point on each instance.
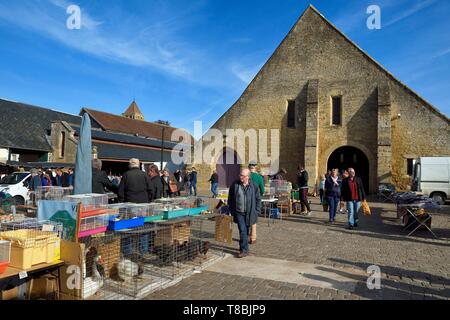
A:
(90, 201)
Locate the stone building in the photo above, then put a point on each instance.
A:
(335, 107)
(32, 136)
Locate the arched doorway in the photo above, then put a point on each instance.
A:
(228, 172)
(350, 157)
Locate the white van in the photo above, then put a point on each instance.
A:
(16, 185)
(432, 177)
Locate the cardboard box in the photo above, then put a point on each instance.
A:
(224, 229)
(43, 288)
(9, 294)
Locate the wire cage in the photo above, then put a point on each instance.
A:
(52, 193)
(5, 254)
(90, 201)
(8, 209)
(126, 216)
(133, 263)
(279, 187)
(32, 242)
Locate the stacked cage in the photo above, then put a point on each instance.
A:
(32, 242)
(186, 244)
(52, 193)
(126, 216)
(94, 213)
(133, 263)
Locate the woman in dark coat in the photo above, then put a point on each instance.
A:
(333, 193)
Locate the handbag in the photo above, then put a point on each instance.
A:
(365, 208)
(173, 187)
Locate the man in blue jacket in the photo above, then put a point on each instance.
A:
(244, 201)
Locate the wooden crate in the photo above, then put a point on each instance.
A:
(224, 229)
(110, 253)
(177, 233)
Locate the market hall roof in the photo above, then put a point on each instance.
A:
(25, 126)
(108, 151)
(111, 122)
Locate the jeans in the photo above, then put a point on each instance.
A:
(333, 203)
(244, 231)
(321, 192)
(214, 187)
(353, 208)
(193, 187)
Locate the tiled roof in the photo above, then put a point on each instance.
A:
(111, 122)
(24, 126)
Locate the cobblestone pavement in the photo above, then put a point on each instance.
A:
(416, 267)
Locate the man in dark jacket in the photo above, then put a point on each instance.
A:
(214, 183)
(156, 187)
(61, 179)
(135, 185)
(302, 182)
(35, 181)
(352, 192)
(193, 181)
(100, 180)
(244, 201)
(178, 175)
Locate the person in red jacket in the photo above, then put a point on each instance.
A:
(352, 192)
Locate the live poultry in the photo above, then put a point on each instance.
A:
(92, 284)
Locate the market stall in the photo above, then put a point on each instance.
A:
(110, 251)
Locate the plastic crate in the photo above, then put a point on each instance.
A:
(91, 225)
(5, 254)
(30, 247)
(172, 214)
(197, 211)
(115, 225)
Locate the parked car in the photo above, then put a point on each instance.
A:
(16, 185)
(432, 177)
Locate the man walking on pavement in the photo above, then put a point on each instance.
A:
(302, 182)
(244, 200)
(257, 179)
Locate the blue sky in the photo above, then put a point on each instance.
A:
(191, 60)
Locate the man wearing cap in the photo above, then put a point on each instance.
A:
(135, 185)
(257, 179)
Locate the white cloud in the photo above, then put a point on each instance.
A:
(411, 11)
(156, 46)
(441, 53)
(245, 73)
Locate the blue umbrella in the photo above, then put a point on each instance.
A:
(83, 164)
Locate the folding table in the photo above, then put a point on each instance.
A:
(410, 210)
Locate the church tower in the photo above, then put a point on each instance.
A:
(133, 112)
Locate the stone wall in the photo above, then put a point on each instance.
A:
(312, 64)
(70, 150)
